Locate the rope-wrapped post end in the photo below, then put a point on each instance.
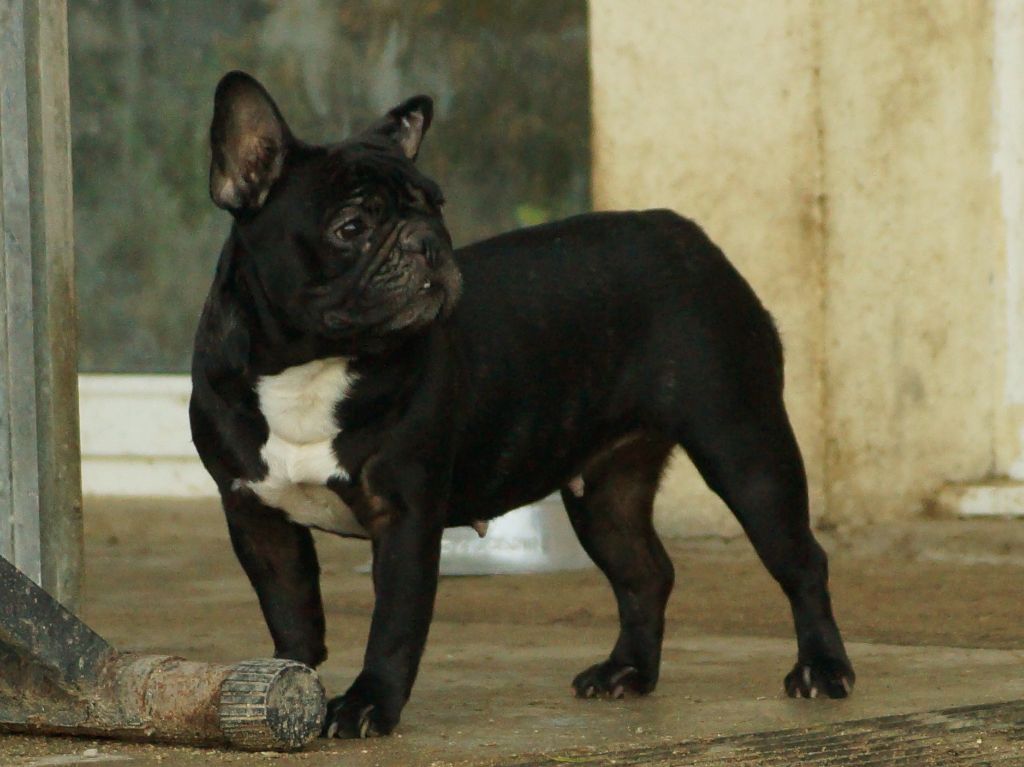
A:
(270, 705)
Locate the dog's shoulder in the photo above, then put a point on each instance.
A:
(222, 340)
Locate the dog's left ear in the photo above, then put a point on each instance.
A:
(406, 124)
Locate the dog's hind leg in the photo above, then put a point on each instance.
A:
(748, 455)
(612, 518)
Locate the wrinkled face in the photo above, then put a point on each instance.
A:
(347, 241)
(352, 245)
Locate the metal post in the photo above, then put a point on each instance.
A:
(40, 485)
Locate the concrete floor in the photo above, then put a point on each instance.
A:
(931, 611)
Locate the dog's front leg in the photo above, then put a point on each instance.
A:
(405, 523)
(280, 560)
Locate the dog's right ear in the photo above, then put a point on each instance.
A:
(249, 140)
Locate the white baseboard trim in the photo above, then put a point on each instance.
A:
(997, 498)
(163, 477)
(136, 439)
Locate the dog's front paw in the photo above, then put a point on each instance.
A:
(831, 677)
(610, 679)
(354, 716)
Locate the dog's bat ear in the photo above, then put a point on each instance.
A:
(249, 140)
(407, 124)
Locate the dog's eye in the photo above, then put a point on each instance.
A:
(350, 228)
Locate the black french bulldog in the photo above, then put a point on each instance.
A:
(352, 374)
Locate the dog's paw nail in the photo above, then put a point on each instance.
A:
(611, 680)
(365, 724)
(332, 730)
(820, 678)
(624, 671)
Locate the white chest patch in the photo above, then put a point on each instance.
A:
(299, 406)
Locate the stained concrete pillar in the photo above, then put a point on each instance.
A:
(40, 486)
(914, 251)
(999, 488)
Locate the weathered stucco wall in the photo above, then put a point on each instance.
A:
(841, 154)
(913, 250)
